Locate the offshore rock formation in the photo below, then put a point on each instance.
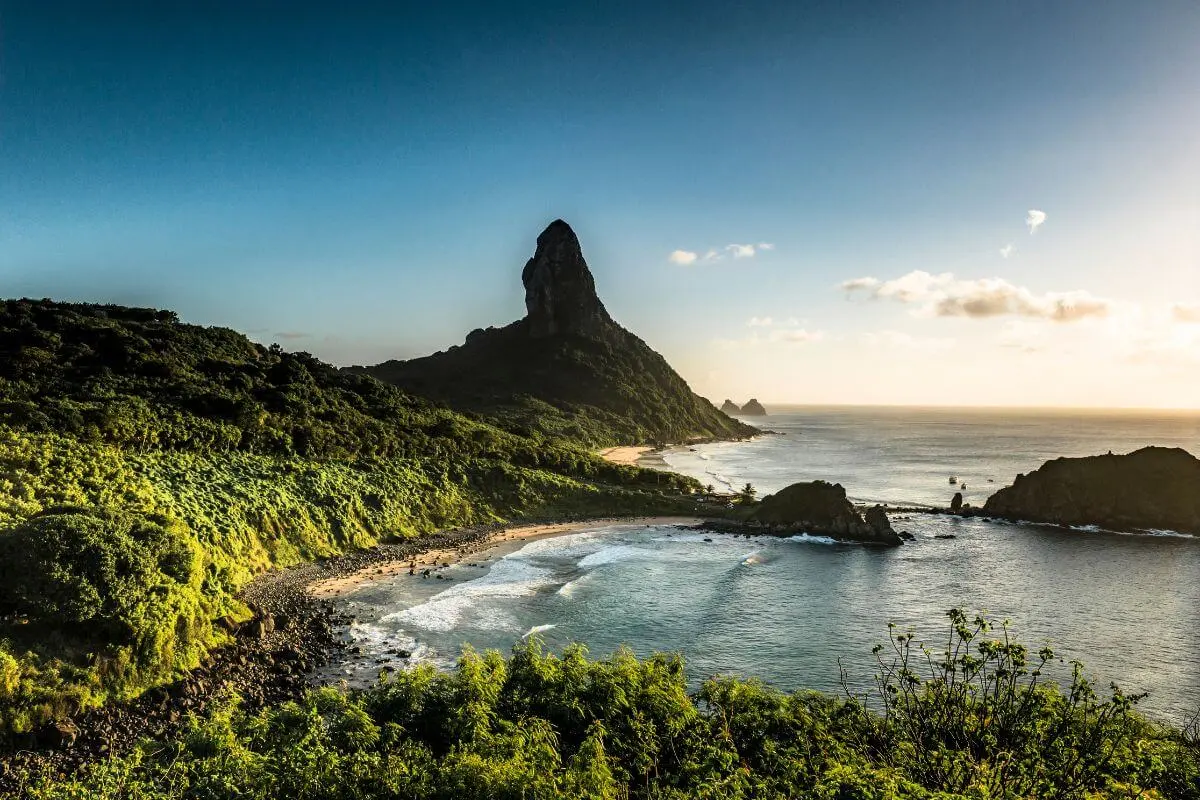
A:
(566, 370)
(754, 409)
(1151, 488)
(821, 508)
(730, 407)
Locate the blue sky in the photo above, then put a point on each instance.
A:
(365, 181)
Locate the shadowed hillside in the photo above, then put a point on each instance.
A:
(567, 369)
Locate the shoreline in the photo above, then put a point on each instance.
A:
(445, 554)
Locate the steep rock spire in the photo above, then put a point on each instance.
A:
(560, 294)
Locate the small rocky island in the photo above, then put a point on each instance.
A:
(753, 409)
(730, 407)
(817, 508)
(1151, 488)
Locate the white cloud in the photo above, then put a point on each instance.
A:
(765, 246)
(944, 295)
(1185, 313)
(741, 250)
(858, 284)
(712, 255)
(682, 257)
(760, 322)
(718, 254)
(1007, 250)
(1034, 219)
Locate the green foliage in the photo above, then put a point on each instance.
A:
(540, 726)
(149, 468)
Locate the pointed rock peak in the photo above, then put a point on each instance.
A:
(560, 294)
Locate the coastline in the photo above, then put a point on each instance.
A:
(351, 574)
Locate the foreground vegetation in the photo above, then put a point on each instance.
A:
(148, 469)
(977, 720)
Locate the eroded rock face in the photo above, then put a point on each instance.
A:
(754, 409)
(1151, 488)
(730, 407)
(821, 508)
(560, 294)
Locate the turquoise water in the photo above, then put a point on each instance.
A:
(789, 611)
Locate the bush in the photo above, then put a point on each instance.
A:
(74, 566)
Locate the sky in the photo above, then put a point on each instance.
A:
(906, 203)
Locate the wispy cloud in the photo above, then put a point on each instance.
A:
(760, 322)
(1034, 219)
(775, 336)
(796, 335)
(292, 335)
(944, 295)
(1187, 314)
(1007, 250)
(860, 284)
(718, 254)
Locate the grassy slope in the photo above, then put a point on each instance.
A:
(261, 458)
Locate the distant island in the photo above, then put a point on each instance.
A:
(730, 407)
(1150, 488)
(753, 409)
(567, 369)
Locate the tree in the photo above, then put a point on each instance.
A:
(746, 495)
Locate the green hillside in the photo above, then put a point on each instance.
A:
(149, 468)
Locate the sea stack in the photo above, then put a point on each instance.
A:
(730, 407)
(754, 409)
(1151, 488)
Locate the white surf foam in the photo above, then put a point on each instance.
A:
(537, 629)
(805, 538)
(508, 578)
(610, 555)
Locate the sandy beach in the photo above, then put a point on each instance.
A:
(640, 456)
(443, 557)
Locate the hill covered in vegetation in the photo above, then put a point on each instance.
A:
(149, 468)
(566, 370)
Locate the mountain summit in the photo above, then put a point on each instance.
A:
(566, 370)
(560, 294)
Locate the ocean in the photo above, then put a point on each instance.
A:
(796, 612)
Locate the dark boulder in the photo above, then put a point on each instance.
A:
(821, 508)
(956, 502)
(1151, 488)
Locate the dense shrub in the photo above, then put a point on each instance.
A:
(540, 726)
(71, 566)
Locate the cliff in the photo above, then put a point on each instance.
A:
(566, 370)
(1151, 488)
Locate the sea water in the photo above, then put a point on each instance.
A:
(796, 612)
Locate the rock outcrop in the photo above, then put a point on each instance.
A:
(821, 508)
(730, 407)
(566, 370)
(753, 409)
(560, 293)
(1151, 488)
